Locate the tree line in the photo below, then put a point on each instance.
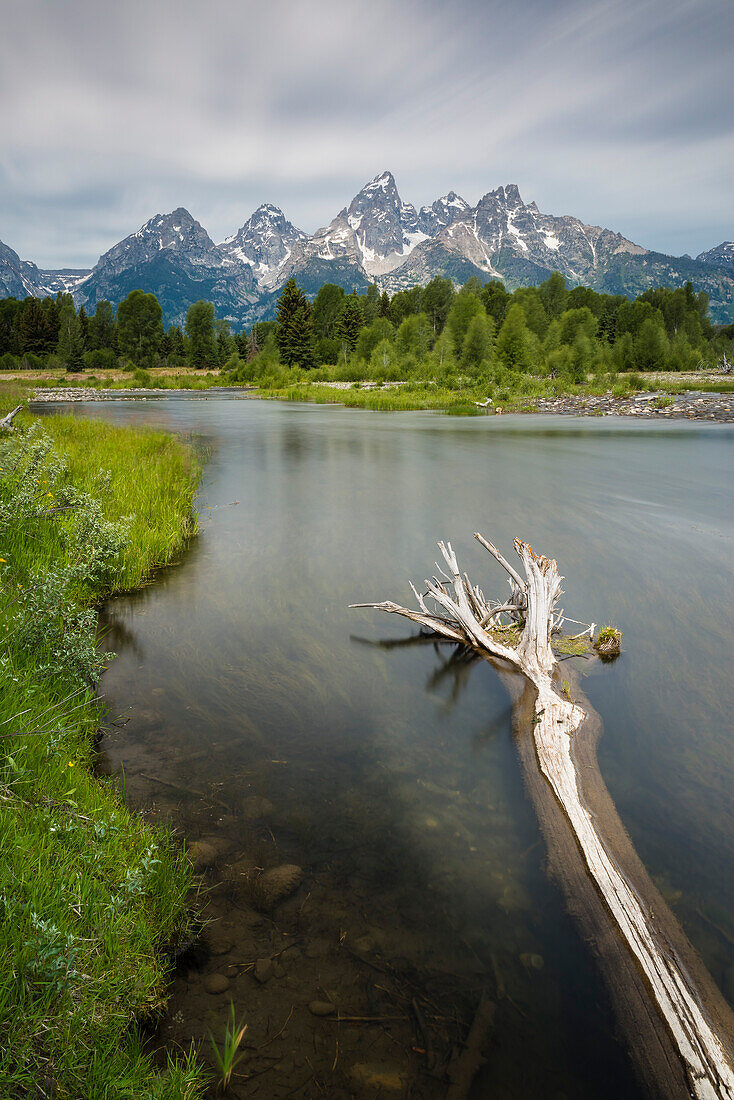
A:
(472, 332)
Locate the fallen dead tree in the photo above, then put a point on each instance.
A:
(6, 424)
(518, 631)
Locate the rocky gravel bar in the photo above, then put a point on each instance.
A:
(692, 405)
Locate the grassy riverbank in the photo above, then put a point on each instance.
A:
(92, 901)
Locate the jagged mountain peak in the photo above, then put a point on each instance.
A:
(265, 243)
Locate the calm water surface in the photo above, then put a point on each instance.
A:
(391, 764)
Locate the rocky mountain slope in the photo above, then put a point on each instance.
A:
(721, 256)
(173, 256)
(21, 278)
(265, 242)
(376, 238)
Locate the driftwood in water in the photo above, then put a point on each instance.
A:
(700, 1039)
(471, 1059)
(6, 424)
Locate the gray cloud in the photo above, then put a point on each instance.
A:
(613, 110)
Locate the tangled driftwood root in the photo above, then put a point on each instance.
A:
(463, 614)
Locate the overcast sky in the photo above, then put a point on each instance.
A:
(616, 111)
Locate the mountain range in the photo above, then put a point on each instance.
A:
(377, 238)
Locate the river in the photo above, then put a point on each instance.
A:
(388, 769)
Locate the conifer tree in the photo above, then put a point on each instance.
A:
(294, 334)
(32, 329)
(350, 321)
(83, 324)
(70, 345)
(200, 335)
(384, 308)
(102, 330)
(140, 327)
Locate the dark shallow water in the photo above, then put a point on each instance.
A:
(391, 771)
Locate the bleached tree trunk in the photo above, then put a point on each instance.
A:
(464, 615)
(6, 424)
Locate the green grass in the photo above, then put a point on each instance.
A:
(92, 901)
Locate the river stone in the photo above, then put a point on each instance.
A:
(321, 1008)
(219, 942)
(277, 884)
(216, 983)
(203, 853)
(532, 961)
(254, 807)
(379, 1076)
(263, 970)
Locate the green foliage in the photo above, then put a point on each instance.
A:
(370, 336)
(514, 347)
(465, 306)
(349, 322)
(202, 345)
(478, 342)
(140, 328)
(70, 346)
(295, 334)
(326, 309)
(89, 896)
(227, 1056)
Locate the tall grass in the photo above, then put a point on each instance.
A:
(92, 901)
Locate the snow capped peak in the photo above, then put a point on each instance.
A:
(384, 180)
(264, 243)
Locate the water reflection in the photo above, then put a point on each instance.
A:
(389, 761)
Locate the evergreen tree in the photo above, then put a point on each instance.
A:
(70, 346)
(9, 309)
(140, 328)
(554, 293)
(326, 308)
(371, 303)
(384, 310)
(176, 345)
(102, 330)
(226, 343)
(350, 322)
(495, 300)
(83, 324)
(32, 327)
(202, 343)
(404, 303)
(294, 334)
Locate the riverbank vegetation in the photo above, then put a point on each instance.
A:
(92, 901)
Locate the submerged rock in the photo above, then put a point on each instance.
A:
(254, 807)
(321, 1008)
(379, 1076)
(275, 885)
(263, 970)
(216, 983)
(203, 853)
